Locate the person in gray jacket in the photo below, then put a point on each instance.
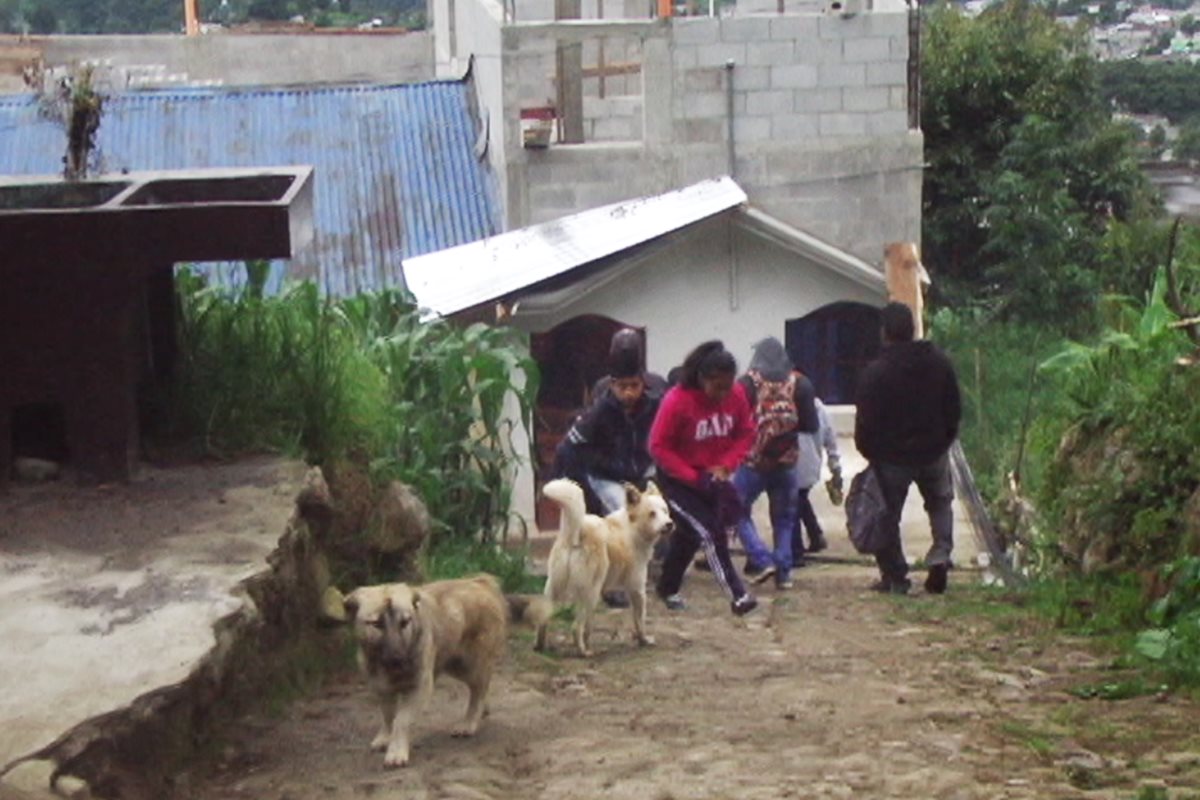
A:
(814, 448)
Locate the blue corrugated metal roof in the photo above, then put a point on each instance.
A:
(396, 173)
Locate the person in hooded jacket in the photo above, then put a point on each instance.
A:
(783, 403)
(907, 417)
(607, 445)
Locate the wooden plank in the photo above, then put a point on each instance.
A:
(611, 69)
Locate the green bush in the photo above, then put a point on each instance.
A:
(421, 401)
(995, 362)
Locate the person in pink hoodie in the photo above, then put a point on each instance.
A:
(702, 432)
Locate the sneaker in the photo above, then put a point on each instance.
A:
(744, 605)
(675, 602)
(751, 569)
(763, 575)
(886, 586)
(817, 543)
(935, 581)
(785, 584)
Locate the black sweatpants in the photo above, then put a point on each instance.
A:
(695, 517)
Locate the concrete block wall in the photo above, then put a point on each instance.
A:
(820, 124)
(248, 59)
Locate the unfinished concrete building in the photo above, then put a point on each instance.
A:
(812, 109)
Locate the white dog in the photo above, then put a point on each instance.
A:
(592, 554)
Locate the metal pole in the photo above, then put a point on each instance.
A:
(729, 113)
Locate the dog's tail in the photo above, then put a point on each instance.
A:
(529, 609)
(569, 497)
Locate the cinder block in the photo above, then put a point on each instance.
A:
(795, 28)
(747, 129)
(835, 26)
(898, 98)
(841, 75)
(749, 79)
(899, 46)
(864, 99)
(788, 127)
(873, 48)
(684, 56)
(883, 122)
(701, 130)
(704, 79)
(698, 105)
(887, 73)
(745, 29)
(886, 23)
(842, 124)
(815, 101)
(819, 51)
(770, 102)
(715, 55)
(617, 129)
(768, 53)
(695, 30)
(795, 76)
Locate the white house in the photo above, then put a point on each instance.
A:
(686, 266)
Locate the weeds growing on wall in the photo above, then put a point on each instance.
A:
(319, 378)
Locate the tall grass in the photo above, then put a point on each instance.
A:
(420, 402)
(996, 363)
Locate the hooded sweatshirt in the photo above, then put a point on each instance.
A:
(692, 434)
(908, 405)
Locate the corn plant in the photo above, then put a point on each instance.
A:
(322, 378)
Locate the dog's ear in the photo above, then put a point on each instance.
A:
(632, 495)
(652, 489)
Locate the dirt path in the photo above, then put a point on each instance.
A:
(825, 691)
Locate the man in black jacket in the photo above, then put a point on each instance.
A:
(908, 411)
(607, 445)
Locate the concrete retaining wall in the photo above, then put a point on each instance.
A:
(242, 59)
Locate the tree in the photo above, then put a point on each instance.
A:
(1187, 145)
(43, 20)
(1025, 168)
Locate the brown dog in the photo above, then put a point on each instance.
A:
(592, 554)
(407, 636)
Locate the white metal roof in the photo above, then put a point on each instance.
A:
(462, 277)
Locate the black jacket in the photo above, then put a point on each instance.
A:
(607, 442)
(908, 405)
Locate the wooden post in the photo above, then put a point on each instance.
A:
(905, 275)
(191, 18)
(569, 73)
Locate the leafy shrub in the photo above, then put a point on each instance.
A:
(1173, 644)
(424, 402)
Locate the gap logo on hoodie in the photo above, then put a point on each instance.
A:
(713, 426)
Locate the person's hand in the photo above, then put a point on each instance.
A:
(720, 473)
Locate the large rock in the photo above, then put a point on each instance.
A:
(400, 522)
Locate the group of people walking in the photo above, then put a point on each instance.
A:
(715, 441)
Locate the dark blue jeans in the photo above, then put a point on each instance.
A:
(780, 485)
(936, 485)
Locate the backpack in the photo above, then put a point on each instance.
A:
(777, 422)
(865, 513)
